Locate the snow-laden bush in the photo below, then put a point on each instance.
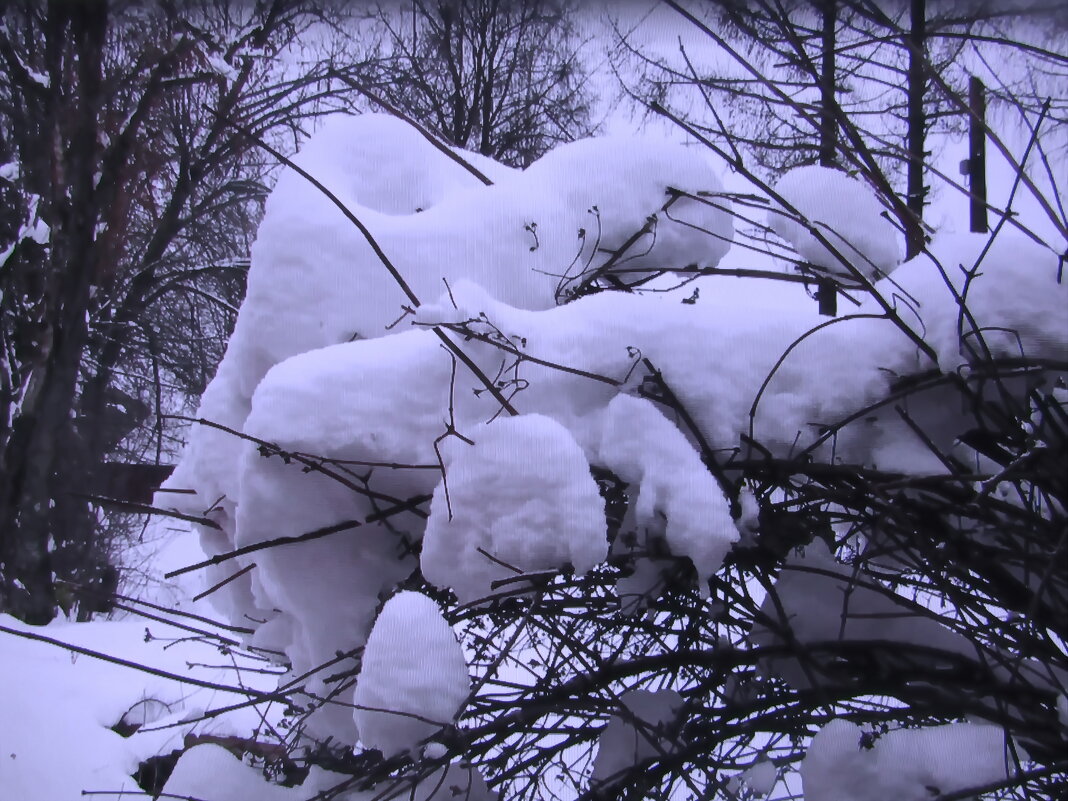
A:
(407, 407)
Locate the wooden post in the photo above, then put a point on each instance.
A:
(828, 117)
(917, 126)
(826, 290)
(827, 297)
(977, 154)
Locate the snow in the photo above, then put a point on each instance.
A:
(641, 732)
(220, 66)
(53, 701)
(315, 285)
(825, 601)
(706, 358)
(755, 782)
(1015, 296)
(761, 778)
(375, 435)
(211, 773)
(846, 212)
(315, 280)
(38, 78)
(414, 678)
(59, 705)
(519, 499)
(10, 171)
(34, 230)
(749, 519)
(646, 450)
(905, 764)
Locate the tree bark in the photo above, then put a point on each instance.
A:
(828, 112)
(917, 124)
(827, 292)
(977, 155)
(43, 452)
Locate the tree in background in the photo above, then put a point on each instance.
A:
(130, 204)
(504, 78)
(857, 84)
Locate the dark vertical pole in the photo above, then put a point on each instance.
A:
(917, 123)
(977, 154)
(827, 293)
(828, 118)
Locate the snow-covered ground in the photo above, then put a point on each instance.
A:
(71, 694)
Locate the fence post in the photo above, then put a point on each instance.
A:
(975, 165)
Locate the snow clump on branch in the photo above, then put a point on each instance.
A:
(905, 764)
(414, 678)
(845, 212)
(518, 499)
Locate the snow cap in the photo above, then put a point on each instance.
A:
(846, 213)
(414, 677)
(520, 497)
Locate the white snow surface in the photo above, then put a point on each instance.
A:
(54, 702)
(414, 678)
(211, 773)
(642, 731)
(846, 212)
(521, 495)
(826, 601)
(905, 764)
(649, 452)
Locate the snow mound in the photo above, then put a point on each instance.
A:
(521, 498)
(906, 764)
(1013, 290)
(316, 280)
(414, 678)
(846, 213)
(643, 731)
(61, 709)
(646, 450)
(211, 773)
(824, 601)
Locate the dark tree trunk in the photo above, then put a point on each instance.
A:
(828, 110)
(43, 455)
(827, 291)
(977, 155)
(917, 125)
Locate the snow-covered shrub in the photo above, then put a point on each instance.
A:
(406, 417)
